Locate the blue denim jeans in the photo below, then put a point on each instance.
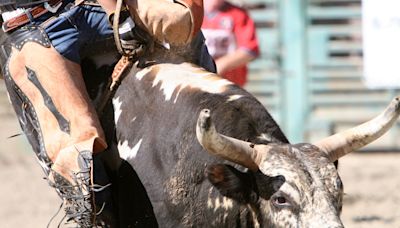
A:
(81, 28)
(78, 28)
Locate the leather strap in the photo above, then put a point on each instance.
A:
(120, 71)
(115, 25)
(23, 19)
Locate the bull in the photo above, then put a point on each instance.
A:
(210, 155)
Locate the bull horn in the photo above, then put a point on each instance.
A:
(342, 143)
(228, 148)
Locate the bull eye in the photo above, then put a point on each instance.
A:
(280, 201)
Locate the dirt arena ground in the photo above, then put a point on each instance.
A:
(371, 181)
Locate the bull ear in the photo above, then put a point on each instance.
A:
(243, 187)
(231, 182)
(267, 186)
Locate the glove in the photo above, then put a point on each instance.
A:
(134, 40)
(132, 37)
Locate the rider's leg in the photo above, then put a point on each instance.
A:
(45, 84)
(69, 128)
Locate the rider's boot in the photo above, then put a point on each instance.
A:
(56, 114)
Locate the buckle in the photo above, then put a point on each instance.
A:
(54, 8)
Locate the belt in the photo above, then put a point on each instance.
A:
(35, 12)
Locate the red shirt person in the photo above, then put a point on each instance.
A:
(231, 39)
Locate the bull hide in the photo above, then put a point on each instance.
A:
(260, 180)
(155, 114)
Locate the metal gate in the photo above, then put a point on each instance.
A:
(310, 74)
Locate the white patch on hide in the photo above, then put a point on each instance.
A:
(139, 75)
(126, 152)
(166, 45)
(117, 109)
(217, 203)
(234, 97)
(176, 77)
(264, 136)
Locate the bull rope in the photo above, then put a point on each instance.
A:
(116, 27)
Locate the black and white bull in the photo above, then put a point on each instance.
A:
(257, 179)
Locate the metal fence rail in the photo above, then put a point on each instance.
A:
(335, 95)
(338, 97)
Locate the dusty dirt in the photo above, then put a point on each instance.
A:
(372, 190)
(25, 196)
(371, 181)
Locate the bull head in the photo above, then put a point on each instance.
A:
(310, 191)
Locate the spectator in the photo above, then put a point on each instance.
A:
(230, 38)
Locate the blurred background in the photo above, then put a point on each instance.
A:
(317, 74)
(310, 74)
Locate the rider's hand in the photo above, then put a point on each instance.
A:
(133, 38)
